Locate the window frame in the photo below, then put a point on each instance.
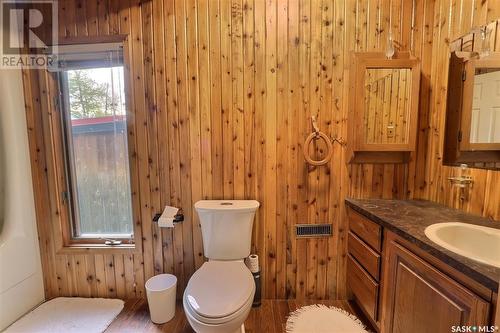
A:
(69, 242)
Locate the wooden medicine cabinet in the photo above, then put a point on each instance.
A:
(383, 102)
(473, 110)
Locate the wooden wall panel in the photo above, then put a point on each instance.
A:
(222, 92)
(453, 19)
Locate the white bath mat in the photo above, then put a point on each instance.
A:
(69, 315)
(323, 319)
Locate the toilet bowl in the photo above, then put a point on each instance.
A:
(219, 297)
(220, 293)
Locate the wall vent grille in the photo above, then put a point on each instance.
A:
(313, 230)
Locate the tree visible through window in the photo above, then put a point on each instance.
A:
(90, 98)
(98, 152)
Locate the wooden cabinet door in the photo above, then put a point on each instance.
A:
(419, 298)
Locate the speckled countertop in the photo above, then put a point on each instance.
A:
(409, 218)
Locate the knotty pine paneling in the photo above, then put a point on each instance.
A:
(222, 92)
(452, 19)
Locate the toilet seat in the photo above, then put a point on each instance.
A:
(219, 291)
(217, 321)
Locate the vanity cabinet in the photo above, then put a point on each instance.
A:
(402, 288)
(420, 298)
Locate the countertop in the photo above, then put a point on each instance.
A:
(409, 218)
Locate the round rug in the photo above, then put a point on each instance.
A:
(320, 318)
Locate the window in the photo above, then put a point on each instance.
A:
(96, 148)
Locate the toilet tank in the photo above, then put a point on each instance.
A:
(226, 227)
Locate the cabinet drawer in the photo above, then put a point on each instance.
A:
(368, 231)
(364, 288)
(365, 255)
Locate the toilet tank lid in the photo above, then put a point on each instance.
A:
(224, 205)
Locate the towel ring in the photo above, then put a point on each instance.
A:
(316, 135)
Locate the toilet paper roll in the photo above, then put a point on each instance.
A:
(166, 219)
(252, 263)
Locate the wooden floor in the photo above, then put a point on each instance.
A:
(270, 317)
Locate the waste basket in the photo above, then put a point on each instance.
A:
(161, 292)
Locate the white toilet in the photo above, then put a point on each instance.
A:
(219, 295)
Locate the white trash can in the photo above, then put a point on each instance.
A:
(161, 292)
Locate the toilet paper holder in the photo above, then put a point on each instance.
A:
(178, 218)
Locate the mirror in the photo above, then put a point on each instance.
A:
(383, 107)
(387, 105)
(485, 117)
(473, 110)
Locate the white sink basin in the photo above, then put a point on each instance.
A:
(479, 243)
